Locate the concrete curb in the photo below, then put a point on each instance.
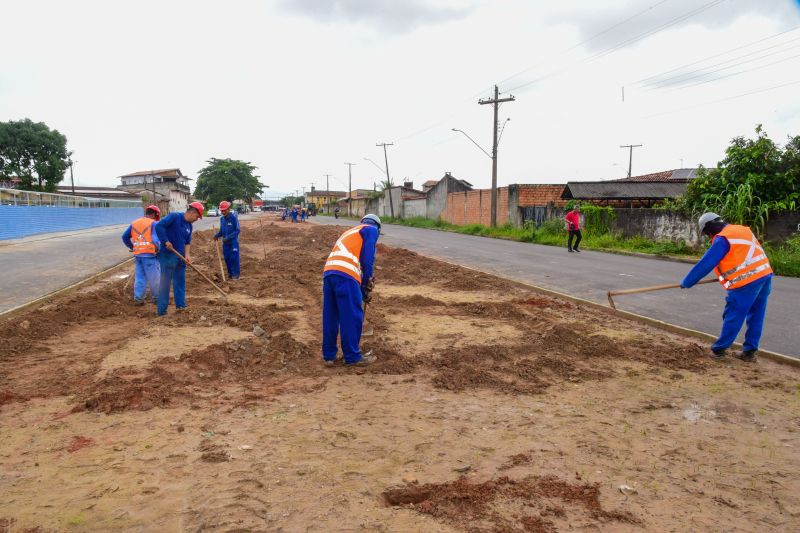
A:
(7, 315)
(773, 356)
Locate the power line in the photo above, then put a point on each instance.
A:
(704, 71)
(703, 82)
(644, 80)
(592, 38)
(613, 49)
(734, 97)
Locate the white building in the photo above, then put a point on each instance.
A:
(169, 183)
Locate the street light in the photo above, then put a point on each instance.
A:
(473, 142)
(376, 164)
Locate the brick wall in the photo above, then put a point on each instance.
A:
(540, 195)
(475, 207)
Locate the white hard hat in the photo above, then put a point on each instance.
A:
(373, 218)
(705, 218)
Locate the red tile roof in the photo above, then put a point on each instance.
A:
(176, 172)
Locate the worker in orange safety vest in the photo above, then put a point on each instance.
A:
(743, 269)
(141, 239)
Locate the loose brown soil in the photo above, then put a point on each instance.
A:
(515, 410)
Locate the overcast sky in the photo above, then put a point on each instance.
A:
(298, 87)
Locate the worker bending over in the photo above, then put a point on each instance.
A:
(141, 239)
(229, 233)
(743, 269)
(347, 282)
(175, 233)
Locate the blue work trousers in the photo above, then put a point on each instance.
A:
(748, 303)
(230, 251)
(147, 273)
(342, 311)
(173, 272)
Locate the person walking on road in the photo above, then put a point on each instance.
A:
(743, 269)
(294, 215)
(347, 282)
(175, 233)
(141, 239)
(573, 219)
(229, 233)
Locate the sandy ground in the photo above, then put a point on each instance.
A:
(492, 408)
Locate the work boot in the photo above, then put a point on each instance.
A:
(138, 302)
(576, 250)
(569, 250)
(366, 359)
(719, 353)
(330, 364)
(748, 356)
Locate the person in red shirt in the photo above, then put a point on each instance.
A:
(573, 219)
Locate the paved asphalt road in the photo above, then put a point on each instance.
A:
(590, 275)
(40, 264)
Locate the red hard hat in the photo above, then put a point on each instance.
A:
(199, 207)
(223, 205)
(154, 208)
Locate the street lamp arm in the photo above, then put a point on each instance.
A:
(376, 164)
(473, 142)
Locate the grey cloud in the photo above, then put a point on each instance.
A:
(593, 22)
(396, 16)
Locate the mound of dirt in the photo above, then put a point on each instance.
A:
(506, 504)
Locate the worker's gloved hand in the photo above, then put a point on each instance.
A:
(370, 285)
(216, 237)
(367, 295)
(169, 245)
(130, 250)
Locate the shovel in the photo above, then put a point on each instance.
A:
(199, 272)
(649, 289)
(366, 329)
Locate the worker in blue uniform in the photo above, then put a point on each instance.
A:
(743, 269)
(347, 282)
(175, 233)
(294, 214)
(229, 233)
(141, 239)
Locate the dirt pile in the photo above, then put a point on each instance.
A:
(505, 504)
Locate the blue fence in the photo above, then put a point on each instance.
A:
(17, 221)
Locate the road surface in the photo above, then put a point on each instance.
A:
(40, 264)
(590, 275)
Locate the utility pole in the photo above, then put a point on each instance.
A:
(71, 179)
(328, 191)
(349, 186)
(496, 101)
(630, 159)
(388, 179)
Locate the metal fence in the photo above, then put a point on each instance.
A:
(46, 199)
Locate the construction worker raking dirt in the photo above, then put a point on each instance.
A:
(347, 282)
(175, 233)
(229, 233)
(743, 269)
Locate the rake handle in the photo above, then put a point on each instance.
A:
(649, 289)
(198, 271)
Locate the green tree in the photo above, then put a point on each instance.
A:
(227, 178)
(34, 153)
(289, 201)
(756, 177)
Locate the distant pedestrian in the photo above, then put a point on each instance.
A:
(573, 219)
(141, 239)
(303, 215)
(175, 233)
(294, 215)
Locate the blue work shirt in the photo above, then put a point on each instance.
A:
(229, 228)
(176, 229)
(716, 252)
(126, 238)
(369, 235)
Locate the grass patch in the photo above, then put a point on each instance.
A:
(785, 258)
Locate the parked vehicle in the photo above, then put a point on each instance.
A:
(213, 212)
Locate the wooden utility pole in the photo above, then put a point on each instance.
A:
(388, 179)
(349, 186)
(71, 179)
(630, 159)
(496, 101)
(328, 190)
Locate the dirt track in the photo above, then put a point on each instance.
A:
(492, 408)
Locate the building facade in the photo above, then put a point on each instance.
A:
(169, 183)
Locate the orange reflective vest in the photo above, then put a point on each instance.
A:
(142, 236)
(346, 253)
(745, 262)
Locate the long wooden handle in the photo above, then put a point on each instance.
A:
(219, 256)
(656, 288)
(174, 251)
